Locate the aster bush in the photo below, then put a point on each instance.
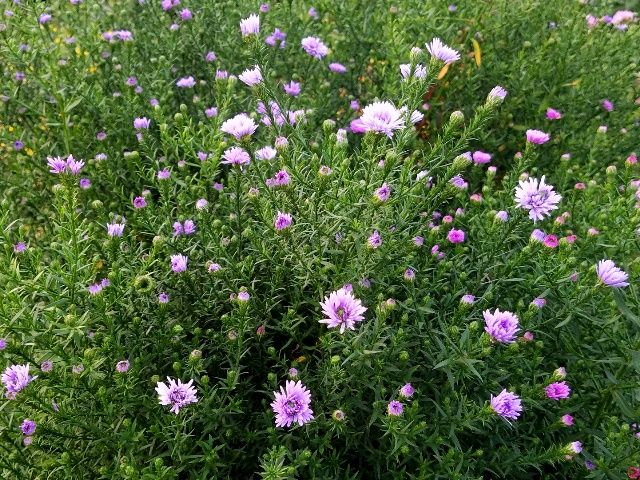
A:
(330, 240)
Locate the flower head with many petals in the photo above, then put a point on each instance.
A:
(240, 126)
(501, 326)
(15, 378)
(176, 394)
(292, 404)
(611, 275)
(442, 52)
(537, 197)
(342, 309)
(382, 117)
(507, 405)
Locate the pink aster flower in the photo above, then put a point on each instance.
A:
(381, 117)
(550, 241)
(314, 47)
(611, 275)
(282, 221)
(537, 197)
(176, 394)
(292, 404)
(236, 156)
(407, 390)
(250, 25)
(266, 153)
(607, 105)
(342, 309)
(186, 82)
(567, 420)
(537, 137)
(557, 390)
(480, 157)
(442, 52)
(179, 263)
(455, 236)
(501, 326)
(240, 126)
(251, 76)
(553, 114)
(507, 405)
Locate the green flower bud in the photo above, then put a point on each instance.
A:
(155, 379)
(177, 329)
(144, 283)
(403, 356)
(176, 366)
(96, 204)
(335, 359)
(134, 155)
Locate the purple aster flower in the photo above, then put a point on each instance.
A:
(15, 378)
(221, 74)
(537, 197)
(28, 440)
(374, 240)
(264, 7)
(46, 366)
(442, 52)
(139, 202)
(176, 394)
(383, 193)
(185, 14)
(607, 105)
(236, 156)
(56, 164)
(189, 227)
(164, 174)
(313, 13)
(28, 427)
(419, 71)
(567, 420)
(481, 157)
(502, 215)
(115, 229)
(497, 95)
(282, 221)
(3, 343)
(292, 88)
(468, 299)
(122, 366)
(84, 183)
(538, 302)
(18, 145)
(342, 309)
(19, 247)
(74, 166)
(538, 235)
(163, 298)
(44, 18)
(211, 112)
(214, 267)
(186, 82)
(179, 263)
(574, 447)
(210, 57)
(537, 137)
(507, 405)
(251, 76)
(407, 390)
(314, 47)
(250, 25)
(243, 296)
(381, 117)
(266, 153)
(241, 126)
(292, 404)
(337, 68)
(395, 408)
(131, 81)
(501, 326)
(409, 275)
(459, 182)
(141, 123)
(611, 275)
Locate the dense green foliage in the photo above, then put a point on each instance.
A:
(67, 89)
